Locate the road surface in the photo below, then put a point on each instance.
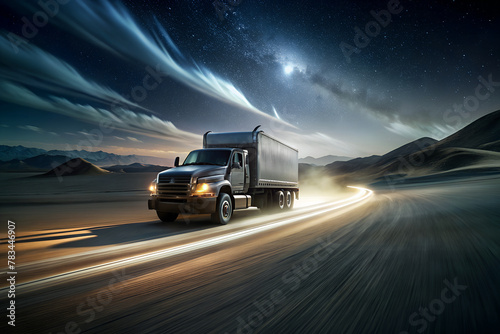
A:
(422, 258)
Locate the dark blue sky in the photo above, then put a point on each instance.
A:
(329, 77)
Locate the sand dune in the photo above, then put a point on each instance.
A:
(77, 166)
(475, 146)
(481, 133)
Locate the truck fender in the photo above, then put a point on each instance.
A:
(226, 185)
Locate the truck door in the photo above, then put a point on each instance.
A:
(237, 177)
(247, 172)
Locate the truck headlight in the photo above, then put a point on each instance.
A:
(204, 190)
(202, 187)
(152, 187)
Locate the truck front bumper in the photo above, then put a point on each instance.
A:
(189, 205)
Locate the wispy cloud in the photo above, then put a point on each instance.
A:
(134, 139)
(397, 118)
(119, 118)
(357, 97)
(84, 133)
(36, 129)
(417, 129)
(30, 128)
(111, 27)
(316, 143)
(33, 67)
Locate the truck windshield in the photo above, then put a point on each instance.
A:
(208, 157)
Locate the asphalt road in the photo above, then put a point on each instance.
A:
(423, 258)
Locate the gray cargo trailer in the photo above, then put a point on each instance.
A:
(234, 170)
(272, 163)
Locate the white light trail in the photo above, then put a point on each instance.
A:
(276, 113)
(197, 245)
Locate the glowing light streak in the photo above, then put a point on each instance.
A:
(197, 245)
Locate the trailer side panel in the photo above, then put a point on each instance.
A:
(276, 164)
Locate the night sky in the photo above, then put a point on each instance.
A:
(346, 78)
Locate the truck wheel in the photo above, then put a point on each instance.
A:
(224, 209)
(279, 200)
(288, 200)
(167, 217)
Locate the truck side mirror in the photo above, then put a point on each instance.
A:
(176, 162)
(236, 165)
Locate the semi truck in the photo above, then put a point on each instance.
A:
(233, 171)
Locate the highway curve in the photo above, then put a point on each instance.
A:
(418, 259)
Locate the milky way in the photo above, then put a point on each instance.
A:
(338, 78)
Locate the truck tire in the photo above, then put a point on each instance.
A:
(224, 209)
(279, 200)
(289, 200)
(167, 217)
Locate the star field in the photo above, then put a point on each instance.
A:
(305, 70)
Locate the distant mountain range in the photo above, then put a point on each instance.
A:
(476, 145)
(19, 155)
(42, 162)
(327, 159)
(380, 160)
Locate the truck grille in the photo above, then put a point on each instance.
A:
(171, 186)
